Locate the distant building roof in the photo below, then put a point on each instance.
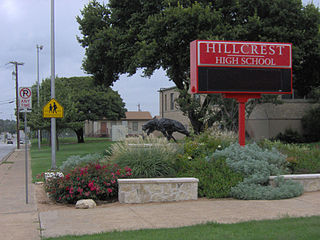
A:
(138, 115)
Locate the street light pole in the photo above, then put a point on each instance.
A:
(53, 120)
(38, 91)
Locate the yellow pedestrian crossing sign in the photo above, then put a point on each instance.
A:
(53, 109)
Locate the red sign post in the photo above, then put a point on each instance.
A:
(240, 70)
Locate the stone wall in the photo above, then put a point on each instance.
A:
(145, 190)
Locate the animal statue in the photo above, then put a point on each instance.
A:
(166, 126)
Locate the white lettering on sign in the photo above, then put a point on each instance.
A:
(244, 54)
(244, 49)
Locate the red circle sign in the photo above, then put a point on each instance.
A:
(25, 93)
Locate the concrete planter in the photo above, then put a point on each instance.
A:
(310, 182)
(145, 190)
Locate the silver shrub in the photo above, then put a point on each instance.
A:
(257, 164)
(78, 161)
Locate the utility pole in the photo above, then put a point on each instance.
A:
(38, 91)
(16, 64)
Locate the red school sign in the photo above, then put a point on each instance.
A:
(240, 70)
(254, 67)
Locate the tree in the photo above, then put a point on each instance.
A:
(8, 126)
(81, 99)
(126, 35)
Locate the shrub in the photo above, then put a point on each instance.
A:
(149, 157)
(257, 164)
(215, 177)
(311, 124)
(289, 136)
(92, 181)
(301, 158)
(207, 142)
(78, 161)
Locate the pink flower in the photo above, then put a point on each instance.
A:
(109, 190)
(80, 190)
(127, 169)
(98, 166)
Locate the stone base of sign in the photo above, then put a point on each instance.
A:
(144, 190)
(310, 182)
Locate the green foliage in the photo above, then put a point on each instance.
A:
(127, 35)
(8, 126)
(289, 136)
(257, 165)
(301, 158)
(79, 161)
(215, 177)
(93, 181)
(303, 228)
(81, 99)
(311, 124)
(41, 159)
(152, 157)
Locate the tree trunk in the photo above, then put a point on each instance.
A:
(79, 133)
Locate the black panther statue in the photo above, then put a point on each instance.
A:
(166, 126)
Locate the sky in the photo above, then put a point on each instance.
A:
(24, 24)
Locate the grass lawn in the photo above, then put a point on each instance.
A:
(41, 159)
(283, 229)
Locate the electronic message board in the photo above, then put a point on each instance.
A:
(240, 67)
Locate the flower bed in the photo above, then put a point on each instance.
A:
(93, 181)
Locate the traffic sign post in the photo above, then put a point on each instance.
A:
(25, 105)
(53, 110)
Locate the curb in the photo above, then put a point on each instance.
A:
(5, 158)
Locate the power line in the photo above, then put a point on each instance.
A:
(8, 100)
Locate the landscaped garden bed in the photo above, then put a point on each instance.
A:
(223, 168)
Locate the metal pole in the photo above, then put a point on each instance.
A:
(53, 120)
(26, 152)
(242, 123)
(38, 92)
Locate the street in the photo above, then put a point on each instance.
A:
(6, 149)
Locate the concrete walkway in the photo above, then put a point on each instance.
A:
(20, 221)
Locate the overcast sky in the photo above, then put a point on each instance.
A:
(26, 23)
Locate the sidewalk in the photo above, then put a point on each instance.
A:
(19, 221)
(171, 215)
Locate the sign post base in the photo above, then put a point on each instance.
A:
(242, 98)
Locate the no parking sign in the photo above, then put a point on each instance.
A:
(25, 102)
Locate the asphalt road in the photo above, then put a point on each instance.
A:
(5, 149)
